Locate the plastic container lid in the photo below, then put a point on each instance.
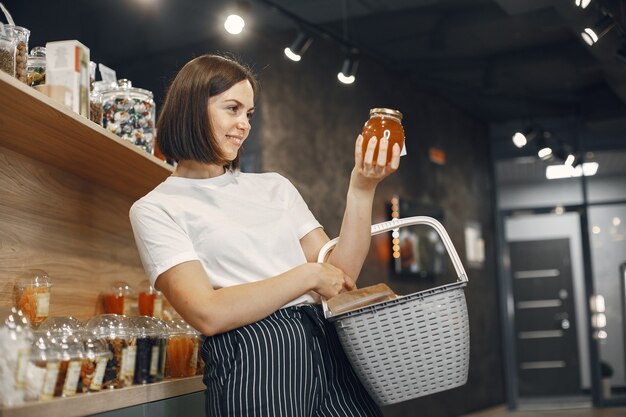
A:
(36, 278)
(70, 346)
(61, 326)
(124, 85)
(109, 326)
(181, 327)
(16, 324)
(122, 288)
(146, 326)
(45, 349)
(95, 348)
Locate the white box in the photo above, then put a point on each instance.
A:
(67, 65)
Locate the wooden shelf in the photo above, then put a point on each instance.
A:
(38, 127)
(99, 402)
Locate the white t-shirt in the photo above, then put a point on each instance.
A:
(241, 227)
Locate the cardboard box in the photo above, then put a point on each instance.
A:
(67, 65)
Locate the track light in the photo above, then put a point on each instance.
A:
(593, 34)
(582, 3)
(298, 47)
(348, 70)
(520, 139)
(544, 151)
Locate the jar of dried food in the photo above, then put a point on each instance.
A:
(97, 356)
(7, 52)
(150, 346)
(182, 350)
(36, 69)
(130, 113)
(15, 340)
(31, 294)
(119, 337)
(43, 368)
(119, 299)
(72, 356)
(21, 51)
(384, 123)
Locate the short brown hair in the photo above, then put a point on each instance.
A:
(184, 128)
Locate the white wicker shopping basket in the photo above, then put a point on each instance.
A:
(414, 345)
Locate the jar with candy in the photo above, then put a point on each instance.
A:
(119, 299)
(36, 69)
(43, 369)
(97, 356)
(15, 340)
(182, 350)
(72, 356)
(130, 113)
(21, 36)
(384, 123)
(7, 51)
(150, 301)
(119, 337)
(31, 294)
(150, 349)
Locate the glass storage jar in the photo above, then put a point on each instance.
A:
(182, 350)
(383, 123)
(36, 69)
(21, 51)
(120, 338)
(31, 294)
(43, 369)
(119, 299)
(149, 300)
(7, 52)
(149, 363)
(72, 356)
(97, 355)
(15, 340)
(130, 113)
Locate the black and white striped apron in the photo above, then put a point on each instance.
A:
(289, 364)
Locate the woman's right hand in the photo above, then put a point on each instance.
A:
(328, 280)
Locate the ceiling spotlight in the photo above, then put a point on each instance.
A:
(582, 3)
(234, 24)
(348, 70)
(544, 151)
(520, 139)
(591, 35)
(298, 47)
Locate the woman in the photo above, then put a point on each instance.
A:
(235, 254)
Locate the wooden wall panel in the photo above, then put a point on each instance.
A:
(76, 231)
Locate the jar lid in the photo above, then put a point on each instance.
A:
(61, 326)
(122, 288)
(95, 348)
(70, 346)
(15, 325)
(125, 85)
(146, 326)
(109, 326)
(18, 30)
(181, 327)
(36, 278)
(44, 348)
(388, 112)
(146, 287)
(38, 51)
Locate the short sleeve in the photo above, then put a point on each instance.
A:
(302, 218)
(161, 242)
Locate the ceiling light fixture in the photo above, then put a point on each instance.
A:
(298, 47)
(520, 139)
(348, 70)
(582, 3)
(234, 24)
(592, 35)
(587, 169)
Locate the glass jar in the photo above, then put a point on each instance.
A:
(31, 294)
(150, 301)
(15, 340)
(182, 350)
(36, 69)
(72, 356)
(43, 369)
(119, 299)
(130, 113)
(97, 356)
(120, 339)
(150, 349)
(8, 46)
(383, 123)
(21, 51)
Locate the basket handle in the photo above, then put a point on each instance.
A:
(396, 224)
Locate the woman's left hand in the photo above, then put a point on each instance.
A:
(367, 172)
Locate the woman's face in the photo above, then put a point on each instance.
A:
(230, 113)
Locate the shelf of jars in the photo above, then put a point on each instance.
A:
(38, 127)
(113, 399)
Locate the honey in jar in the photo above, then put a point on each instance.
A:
(384, 123)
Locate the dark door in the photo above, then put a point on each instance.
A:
(545, 328)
